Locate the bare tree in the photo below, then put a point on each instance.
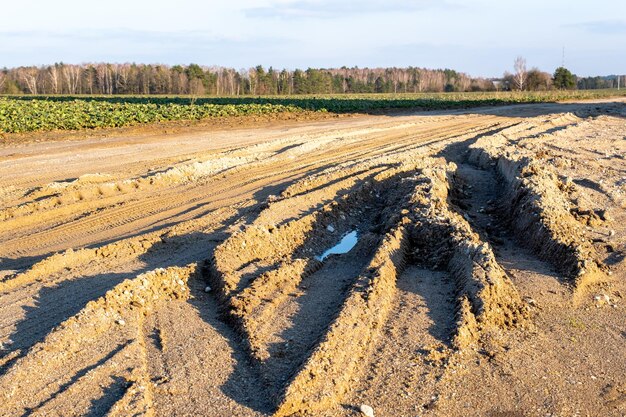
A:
(28, 75)
(71, 73)
(464, 82)
(121, 77)
(537, 80)
(395, 78)
(230, 76)
(55, 78)
(519, 65)
(252, 79)
(105, 81)
(3, 79)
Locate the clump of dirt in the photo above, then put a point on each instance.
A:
(589, 217)
(142, 291)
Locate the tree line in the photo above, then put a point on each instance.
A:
(193, 79)
(592, 83)
(105, 78)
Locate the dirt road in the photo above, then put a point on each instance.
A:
(183, 274)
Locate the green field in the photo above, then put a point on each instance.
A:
(19, 114)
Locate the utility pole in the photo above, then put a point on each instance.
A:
(618, 77)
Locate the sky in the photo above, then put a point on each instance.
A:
(478, 37)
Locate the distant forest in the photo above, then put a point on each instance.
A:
(103, 78)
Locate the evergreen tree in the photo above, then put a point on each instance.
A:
(300, 85)
(563, 79)
(194, 71)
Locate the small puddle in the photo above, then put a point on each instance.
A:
(344, 246)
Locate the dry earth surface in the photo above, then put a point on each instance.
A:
(181, 274)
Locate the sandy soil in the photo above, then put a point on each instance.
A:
(179, 273)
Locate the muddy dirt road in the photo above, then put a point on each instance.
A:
(184, 274)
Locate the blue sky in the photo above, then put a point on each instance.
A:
(480, 37)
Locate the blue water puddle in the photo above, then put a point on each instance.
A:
(344, 246)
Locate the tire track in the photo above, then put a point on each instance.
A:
(111, 221)
(269, 283)
(540, 214)
(430, 283)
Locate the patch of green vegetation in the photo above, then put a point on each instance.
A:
(20, 114)
(577, 324)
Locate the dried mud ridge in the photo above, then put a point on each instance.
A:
(303, 326)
